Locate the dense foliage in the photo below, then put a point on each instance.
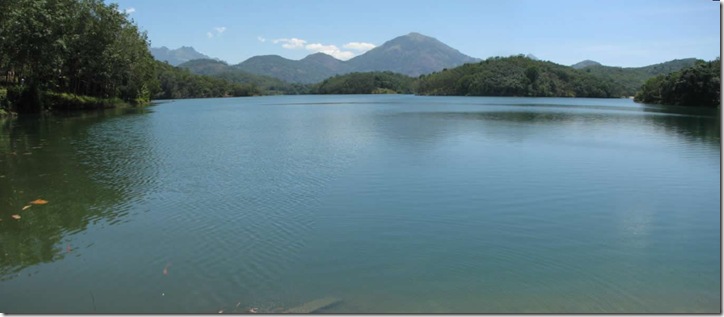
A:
(365, 83)
(73, 54)
(516, 76)
(81, 47)
(631, 78)
(698, 85)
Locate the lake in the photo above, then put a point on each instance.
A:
(389, 203)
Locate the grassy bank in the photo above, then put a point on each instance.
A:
(14, 99)
(65, 101)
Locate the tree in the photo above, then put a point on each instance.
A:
(74, 46)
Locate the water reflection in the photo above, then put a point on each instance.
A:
(697, 125)
(44, 157)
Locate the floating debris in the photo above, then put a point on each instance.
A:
(165, 268)
(39, 202)
(253, 310)
(16, 217)
(221, 311)
(26, 207)
(68, 249)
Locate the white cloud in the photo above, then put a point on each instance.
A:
(261, 39)
(332, 50)
(292, 43)
(219, 30)
(329, 49)
(359, 46)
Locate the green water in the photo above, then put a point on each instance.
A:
(390, 203)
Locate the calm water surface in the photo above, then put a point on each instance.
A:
(390, 203)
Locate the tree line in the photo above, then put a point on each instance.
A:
(365, 83)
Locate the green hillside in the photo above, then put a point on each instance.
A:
(265, 84)
(631, 78)
(696, 85)
(179, 83)
(365, 83)
(206, 66)
(517, 76)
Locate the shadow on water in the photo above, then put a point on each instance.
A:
(40, 158)
(694, 125)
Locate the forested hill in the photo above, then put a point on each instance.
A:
(265, 85)
(585, 63)
(631, 78)
(179, 83)
(697, 85)
(205, 66)
(517, 76)
(365, 83)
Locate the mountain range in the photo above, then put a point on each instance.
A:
(413, 54)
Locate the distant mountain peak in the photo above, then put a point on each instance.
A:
(177, 56)
(320, 56)
(585, 63)
(413, 54)
(416, 35)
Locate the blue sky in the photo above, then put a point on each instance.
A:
(614, 32)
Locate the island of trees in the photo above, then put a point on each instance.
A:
(74, 54)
